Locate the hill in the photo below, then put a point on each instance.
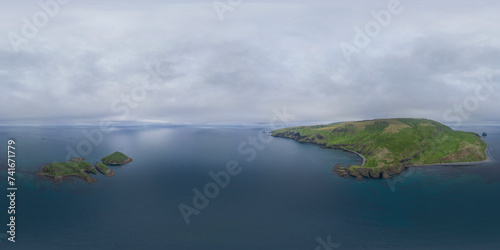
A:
(61, 170)
(388, 146)
(116, 158)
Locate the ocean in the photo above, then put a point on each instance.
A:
(281, 194)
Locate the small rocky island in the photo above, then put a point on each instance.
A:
(78, 167)
(389, 146)
(116, 158)
(104, 169)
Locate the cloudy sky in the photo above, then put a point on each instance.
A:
(190, 62)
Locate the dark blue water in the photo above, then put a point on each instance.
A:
(285, 198)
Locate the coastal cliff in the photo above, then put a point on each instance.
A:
(389, 146)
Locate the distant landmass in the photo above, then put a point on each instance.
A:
(388, 146)
(78, 167)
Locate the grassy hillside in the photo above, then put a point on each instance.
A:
(116, 158)
(60, 170)
(392, 144)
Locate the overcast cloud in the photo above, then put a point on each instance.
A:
(263, 55)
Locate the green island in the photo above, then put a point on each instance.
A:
(389, 146)
(78, 167)
(104, 169)
(116, 158)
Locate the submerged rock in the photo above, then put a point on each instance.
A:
(340, 171)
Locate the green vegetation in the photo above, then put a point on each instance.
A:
(116, 158)
(391, 145)
(61, 170)
(77, 167)
(104, 169)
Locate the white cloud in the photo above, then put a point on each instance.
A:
(265, 54)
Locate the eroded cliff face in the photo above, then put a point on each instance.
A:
(362, 172)
(317, 139)
(360, 148)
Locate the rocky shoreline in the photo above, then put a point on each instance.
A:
(488, 159)
(104, 169)
(363, 172)
(129, 160)
(360, 172)
(61, 178)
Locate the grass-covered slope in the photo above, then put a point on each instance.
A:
(116, 158)
(390, 145)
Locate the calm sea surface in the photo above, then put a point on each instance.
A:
(284, 198)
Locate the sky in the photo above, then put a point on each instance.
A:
(238, 61)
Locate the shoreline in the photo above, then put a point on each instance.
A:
(347, 150)
(129, 160)
(367, 172)
(486, 151)
(488, 159)
(57, 180)
(101, 170)
(390, 171)
(63, 177)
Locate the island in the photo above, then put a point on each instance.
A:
(389, 146)
(78, 167)
(75, 167)
(104, 169)
(116, 158)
